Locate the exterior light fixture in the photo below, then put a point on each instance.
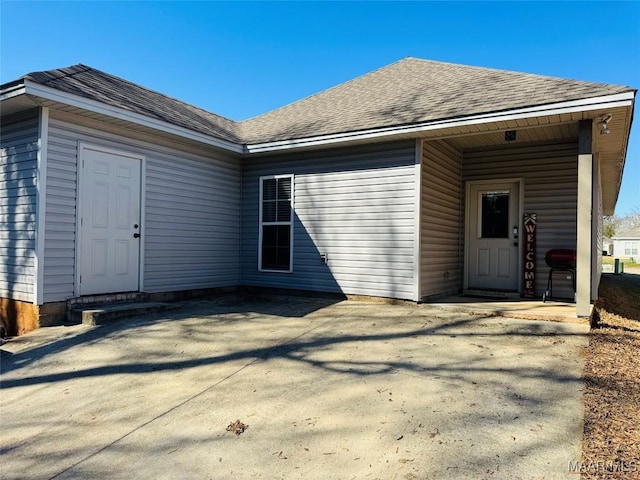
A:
(604, 124)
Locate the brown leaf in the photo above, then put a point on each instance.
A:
(237, 427)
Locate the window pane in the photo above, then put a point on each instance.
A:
(276, 247)
(284, 189)
(495, 215)
(269, 189)
(268, 211)
(277, 207)
(270, 235)
(284, 211)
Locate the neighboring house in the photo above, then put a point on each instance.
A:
(626, 244)
(607, 246)
(408, 182)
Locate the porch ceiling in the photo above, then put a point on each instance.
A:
(524, 134)
(610, 148)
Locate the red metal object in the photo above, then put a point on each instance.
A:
(561, 258)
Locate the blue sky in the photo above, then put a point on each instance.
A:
(240, 59)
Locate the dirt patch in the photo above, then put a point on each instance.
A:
(611, 444)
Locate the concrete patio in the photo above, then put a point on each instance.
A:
(329, 390)
(534, 309)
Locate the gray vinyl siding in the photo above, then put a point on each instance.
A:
(440, 219)
(356, 205)
(60, 213)
(191, 228)
(550, 182)
(18, 187)
(192, 222)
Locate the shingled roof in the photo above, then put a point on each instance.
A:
(96, 85)
(403, 93)
(412, 91)
(632, 232)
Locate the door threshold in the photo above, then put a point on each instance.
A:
(492, 294)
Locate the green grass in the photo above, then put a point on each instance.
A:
(627, 261)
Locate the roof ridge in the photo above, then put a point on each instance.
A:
(65, 75)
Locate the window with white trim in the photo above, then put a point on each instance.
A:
(631, 248)
(275, 251)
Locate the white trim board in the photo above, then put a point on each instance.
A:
(417, 248)
(52, 94)
(14, 91)
(596, 103)
(41, 204)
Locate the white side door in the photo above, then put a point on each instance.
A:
(493, 236)
(109, 240)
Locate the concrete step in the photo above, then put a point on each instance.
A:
(495, 294)
(100, 314)
(87, 301)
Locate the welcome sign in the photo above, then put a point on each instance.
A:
(530, 224)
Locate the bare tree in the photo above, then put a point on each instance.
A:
(613, 225)
(610, 225)
(631, 221)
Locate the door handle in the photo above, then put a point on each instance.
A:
(136, 235)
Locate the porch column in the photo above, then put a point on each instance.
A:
(585, 196)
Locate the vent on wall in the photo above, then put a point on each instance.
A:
(510, 136)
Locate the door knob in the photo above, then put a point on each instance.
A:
(136, 235)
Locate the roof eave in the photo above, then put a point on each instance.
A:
(12, 90)
(608, 208)
(51, 94)
(624, 99)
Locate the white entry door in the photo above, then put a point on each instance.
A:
(109, 250)
(493, 236)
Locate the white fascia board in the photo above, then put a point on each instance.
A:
(52, 94)
(12, 92)
(596, 103)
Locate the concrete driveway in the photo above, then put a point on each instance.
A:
(329, 390)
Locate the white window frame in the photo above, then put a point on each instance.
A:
(262, 224)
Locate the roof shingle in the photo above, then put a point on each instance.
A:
(96, 85)
(412, 91)
(406, 92)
